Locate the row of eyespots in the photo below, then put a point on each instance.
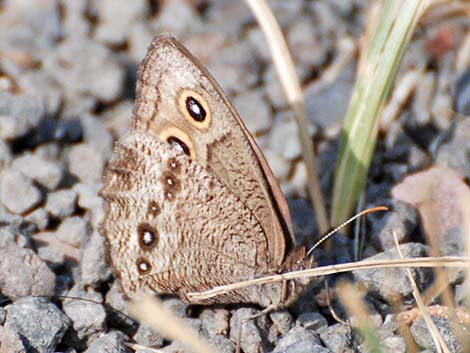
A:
(148, 236)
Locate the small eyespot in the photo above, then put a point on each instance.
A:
(147, 235)
(143, 266)
(178, 144)
(195, 109)
(173, 165)
(153, 209)
(170, 182)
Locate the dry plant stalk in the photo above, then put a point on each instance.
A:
(286, 71)
(150, 310)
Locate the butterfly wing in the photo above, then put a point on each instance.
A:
(179, 101)
(174, 228)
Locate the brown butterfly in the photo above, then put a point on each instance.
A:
(190, 201)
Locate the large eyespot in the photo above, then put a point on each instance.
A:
(195, 109)
(147, 235)
(178, 139)
(143, 266)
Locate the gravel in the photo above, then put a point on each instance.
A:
(66, 94)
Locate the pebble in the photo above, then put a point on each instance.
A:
(86, 163)
(392, 283)
(337, 338)
(17, 192)
(73, 231)
(61, 203)
(39, 322)
(420, 332)
(22, 273)
(251, 341)
(5, 155)
(297, 334)
(311, 321)
(19, 113)
(39, 217)
(40, 85)
(94, 268)
(283, 137)
(96, 134)
(177, 17)
(112, 342)
(282, 320)
(10, 341)
(304, 346)
(254, 111)
(146, 336)
(215, 321)
(88, 199)
(88, 319)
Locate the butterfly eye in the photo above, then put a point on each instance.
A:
(143, 266)
(195, 109)
(178, 144)
(148, 236)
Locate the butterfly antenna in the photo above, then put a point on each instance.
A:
(353, 218)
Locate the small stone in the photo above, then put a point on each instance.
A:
(17, 192)
(10, 342)
(39, 322)
(23, 273)
(283, 138)
(117, 118)
(391, 283)
(215, 321)
(278, 164)
(146, 336)
(18, 114)
(312, 321)
(294, 336)
(304, 346)
(86, 163)
(5, 154)
(89, 199)
(177, 17)
(282, 320)
(253, 110)
(61, 203)
(97, 135)
(305, 43)
(39, 217)
(88, 319)
(112, 342)
(222, 344)
(251, 341)
(422, 336)
(401, 222)
(110, 31)
(94, 266)
(337, 338)
(176, 306)
(73, 231)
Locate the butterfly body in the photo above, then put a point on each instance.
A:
(190, 202)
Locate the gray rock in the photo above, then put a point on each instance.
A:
(69, 64)
(456, 147)
(177, 17)
(175, 347)
(97, 135)
(392, 283)
(88, 199)
(86, 163)
(176, 306)
(422, 335)
(215, 321)
(39, 322)
(110, 31)
(146, 336)
(94, 267)
(17, 192)
(254, 110)
(88, 319)
(283, 137)
(311, 321)
(394, 344)
(251, 341)
(23, 273)
(222, 344)
(282, 320)
(39, 217)
(5, 155)
(337, 338)
(297, 334)
(304, 346)
(112, 342)
(10, 342)
(46, 173)
(18, 114)
(3, 316)
(401, 221)
(61, 203)
(73, 231)
(326, 105)
(239, 15)
(117, 119)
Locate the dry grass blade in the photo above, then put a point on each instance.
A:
(286, 72)
(445, 261)
(439, 342)
(354, 304)
(150, 310)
